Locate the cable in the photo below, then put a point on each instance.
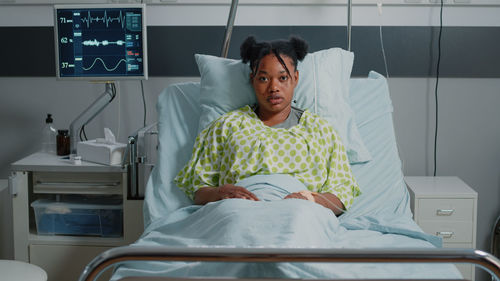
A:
(115, 93)
(82, 131)
(383, 52)
(438, 65)
(144, 103)
(113, 89)
(143, 98)
(379, 6)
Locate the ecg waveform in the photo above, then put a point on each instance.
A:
(105, 19)
(97, 43)
(104, 64)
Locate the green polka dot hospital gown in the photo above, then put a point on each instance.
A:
(238, 145)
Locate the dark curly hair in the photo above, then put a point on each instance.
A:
(253, 51)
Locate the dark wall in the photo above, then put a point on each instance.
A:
(411, 51)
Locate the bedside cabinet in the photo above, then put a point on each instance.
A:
(446, 207)
(58, 223)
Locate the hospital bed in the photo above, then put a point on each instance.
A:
(375, 239)
(378, 228)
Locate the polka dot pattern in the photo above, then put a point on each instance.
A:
(238, 145)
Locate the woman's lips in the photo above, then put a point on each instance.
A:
(274, 99)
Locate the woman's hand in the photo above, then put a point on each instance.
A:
(327, 200)
(208, 194)
(298, 195)
(232, 191)
(330, 201)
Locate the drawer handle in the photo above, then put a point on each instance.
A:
(445, 234)
(78, 184)
(445, 212)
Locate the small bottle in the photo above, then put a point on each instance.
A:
(49, 136)
(63, 142)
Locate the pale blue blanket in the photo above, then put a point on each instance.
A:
(276, 223)
(379, 218)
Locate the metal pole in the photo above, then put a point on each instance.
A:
(229, 28)
(349, 23)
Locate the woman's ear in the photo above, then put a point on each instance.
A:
(296, 77)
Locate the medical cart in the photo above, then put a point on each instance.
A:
(65, 214)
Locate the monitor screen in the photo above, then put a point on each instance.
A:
(100, 42)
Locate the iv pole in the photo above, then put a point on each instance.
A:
(349, 24)
(232, 15)
(229, 28)
(89, 113)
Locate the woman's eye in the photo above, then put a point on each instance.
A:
(263, 79)
(284, 78)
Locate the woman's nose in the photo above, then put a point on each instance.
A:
(273, 87)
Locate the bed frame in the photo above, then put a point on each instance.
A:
(117, 256)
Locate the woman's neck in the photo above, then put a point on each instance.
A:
(273, 118)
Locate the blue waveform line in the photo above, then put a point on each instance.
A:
(105, 19)
(97, 43)
(104, 64)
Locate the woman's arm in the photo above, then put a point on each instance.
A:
(327, 200)
(208, 194)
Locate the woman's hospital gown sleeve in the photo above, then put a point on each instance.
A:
(340, 180)
(204, 166)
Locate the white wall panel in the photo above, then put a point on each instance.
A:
(264, 15)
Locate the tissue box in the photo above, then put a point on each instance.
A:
(103, 153)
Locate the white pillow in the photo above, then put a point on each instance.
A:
(323, 88)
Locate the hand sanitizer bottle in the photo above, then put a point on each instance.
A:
(49, 136)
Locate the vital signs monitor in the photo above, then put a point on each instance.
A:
(100, 42)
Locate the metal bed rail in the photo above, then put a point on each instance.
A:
(119, 255)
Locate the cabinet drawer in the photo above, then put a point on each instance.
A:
(77, 183)
(450, 231)
(445, 209)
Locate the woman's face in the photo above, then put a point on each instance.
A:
(273, 86)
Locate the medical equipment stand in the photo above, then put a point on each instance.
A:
(89, 113)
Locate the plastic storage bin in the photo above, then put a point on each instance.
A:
(98, 218)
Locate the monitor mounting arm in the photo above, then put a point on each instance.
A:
(89, 113)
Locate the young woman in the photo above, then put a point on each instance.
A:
(271, 137)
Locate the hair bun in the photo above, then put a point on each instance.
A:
(246, 49)
(300, 47)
